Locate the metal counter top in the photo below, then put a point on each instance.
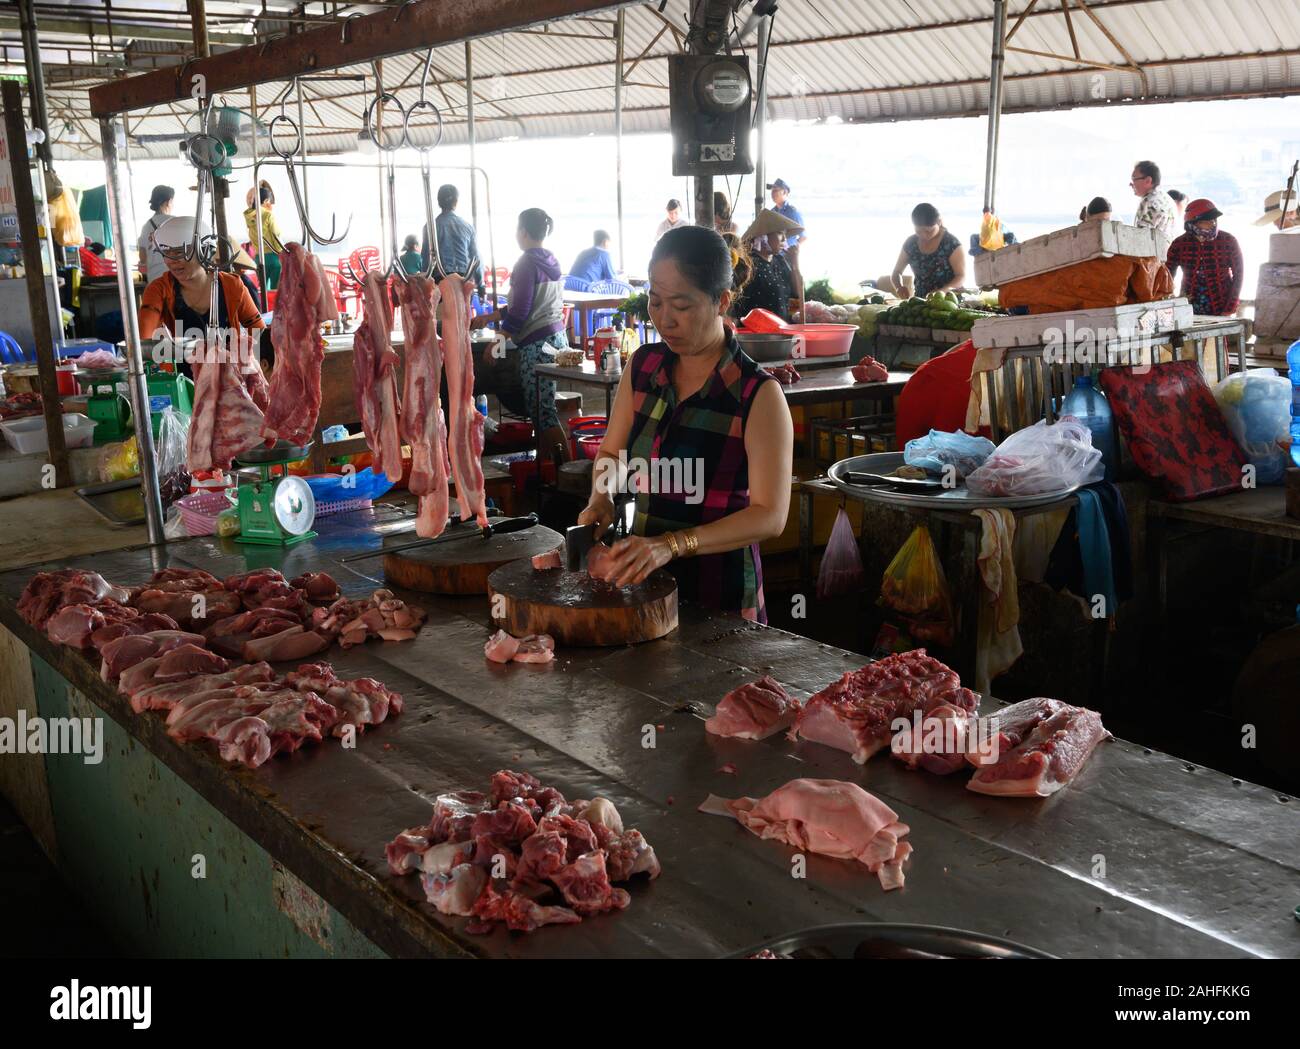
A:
(1196, 864)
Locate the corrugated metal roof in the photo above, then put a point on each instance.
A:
(849, 59)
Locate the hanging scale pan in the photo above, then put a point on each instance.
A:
(294, 505)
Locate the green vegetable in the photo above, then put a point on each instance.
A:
(820, 291)
(636, 307)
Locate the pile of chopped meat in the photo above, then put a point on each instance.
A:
(505, 648)
(522, 855)
(785, 374)
(857, 713)
(757, 710)
(192, 674)
(870, 370)
(827, 816)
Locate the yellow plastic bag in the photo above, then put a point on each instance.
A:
(914, 586)
(991, 232)
(65, 221)
(119, 461)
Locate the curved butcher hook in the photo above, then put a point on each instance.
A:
(288, 157)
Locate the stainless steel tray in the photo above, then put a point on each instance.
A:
(872, 940)
(958, 499)
(120, 503)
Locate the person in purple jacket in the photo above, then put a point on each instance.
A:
(534, 321)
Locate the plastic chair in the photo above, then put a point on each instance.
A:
(340, 289)
(572, 283)
(600, 318)
(10, 351)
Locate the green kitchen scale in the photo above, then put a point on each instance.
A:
(275, 509)
(105, 405)
(167, 390)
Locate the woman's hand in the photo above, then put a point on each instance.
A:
(481, 320)
(633, 559)
(598, 511)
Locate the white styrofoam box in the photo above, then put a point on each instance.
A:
(1076, 328)
(1277, 302)
(28, 435)
(1285, 248)
(1066, 247)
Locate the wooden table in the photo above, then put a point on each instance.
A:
(583, 302)
(836, 385)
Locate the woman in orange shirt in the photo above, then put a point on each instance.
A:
(182, 296)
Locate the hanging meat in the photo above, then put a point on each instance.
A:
(465, 440)
(230, 399)
(303, 304)
(374, 365)
(423, 425)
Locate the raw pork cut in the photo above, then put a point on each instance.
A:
(141, 624)
(935, 741)
(293, 643)
(1047, 759)
(374, 366)
(75, 625)
(465, 425)
(423, 426)
(47, 592)
(827, 816)
(228, 636)
(754, 711)
(535, 648)
(125, 652)
(303, 303)
(546, 846)
(190, 692)
(229, 400)
(382, 615)
(267, 588)
(361, 701)
(319, 587)
(857, 713)
(184, 661)
(993, 737)
(551, 560)
(187, 607)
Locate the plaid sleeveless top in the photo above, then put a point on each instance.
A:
(698, 469)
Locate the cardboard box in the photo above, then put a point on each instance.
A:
(1285, 248)
(1277, 302)
(1067, 247)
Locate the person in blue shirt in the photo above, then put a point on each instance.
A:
(780, 190)
(456, 242)
(594, 263)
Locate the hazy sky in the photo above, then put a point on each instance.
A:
(855, 184)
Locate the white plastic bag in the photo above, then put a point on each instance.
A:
(1038, 459)
(841, 569)
(1257, 407)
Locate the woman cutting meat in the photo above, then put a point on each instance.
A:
(183, 295)
(696, 407)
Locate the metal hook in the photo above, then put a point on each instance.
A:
(401, 10)
(345, 35)
(384, 98)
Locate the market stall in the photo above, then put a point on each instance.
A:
(1191, 871)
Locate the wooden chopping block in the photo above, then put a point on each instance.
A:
(463, 566)
(578, 610)
(1293, 492)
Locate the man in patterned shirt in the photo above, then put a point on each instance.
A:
(1157, 209)
(1210, 260)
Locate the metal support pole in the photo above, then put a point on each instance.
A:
(995, 101)
(220, 187)
(257, 209)
(153, 510)
(760, 118)
(472, 132)
(35, 76)
(618, 132)
(704, 200)
(43, 325)
(302, 155)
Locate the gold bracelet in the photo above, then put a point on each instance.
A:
(692, 542)
(672, 544)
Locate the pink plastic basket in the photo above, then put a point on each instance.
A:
(199, 511)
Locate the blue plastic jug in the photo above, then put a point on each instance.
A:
(1293, 366)
(1088, 404)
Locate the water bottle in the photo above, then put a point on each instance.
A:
(1293, 366)
(481, 404)
(1087, 404)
